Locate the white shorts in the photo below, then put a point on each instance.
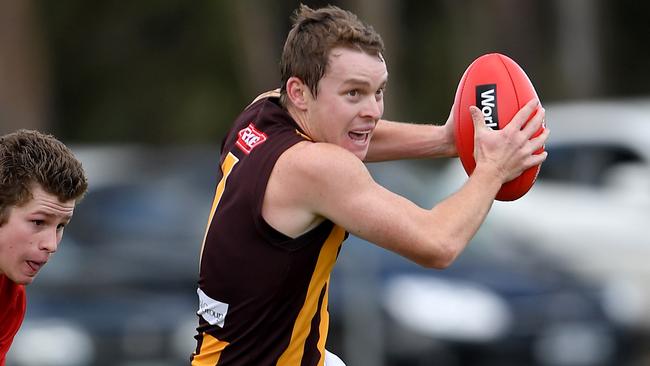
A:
(332, 359)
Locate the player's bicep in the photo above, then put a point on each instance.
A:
(348, 196)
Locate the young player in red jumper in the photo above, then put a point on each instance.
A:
(40, 183)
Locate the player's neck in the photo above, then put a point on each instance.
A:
(300, 117)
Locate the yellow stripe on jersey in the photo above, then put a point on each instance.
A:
(210, 351)
(301, 328)
(228, 163)
(324, 326)
(304, 136)
(275, 93)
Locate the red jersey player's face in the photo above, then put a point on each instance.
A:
(31, 235)
(350, 100)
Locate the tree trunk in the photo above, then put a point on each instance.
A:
(24, 91)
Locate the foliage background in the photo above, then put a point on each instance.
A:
(177, 72)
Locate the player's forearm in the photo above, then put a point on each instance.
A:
(396, 140)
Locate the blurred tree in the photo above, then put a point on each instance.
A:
(24, 93)
(152, 71)
(578, 48)
(259, 48)
(624, 33)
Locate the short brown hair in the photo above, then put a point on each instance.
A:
(314, 34)
(30, 157)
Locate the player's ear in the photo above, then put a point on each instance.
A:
(298, 93)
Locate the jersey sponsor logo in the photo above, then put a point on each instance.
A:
(486, 100)
(249, 138)
(213, 311)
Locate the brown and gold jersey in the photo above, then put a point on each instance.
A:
(262, 295)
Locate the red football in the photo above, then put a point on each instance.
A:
(500, 88)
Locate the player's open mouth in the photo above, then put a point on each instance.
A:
(35, 266)
(359, 136)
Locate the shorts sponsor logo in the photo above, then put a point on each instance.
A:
(486, 100)
(249, 138)
(213, 311)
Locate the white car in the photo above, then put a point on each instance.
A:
(590, 207)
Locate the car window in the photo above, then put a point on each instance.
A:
(584, 164)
